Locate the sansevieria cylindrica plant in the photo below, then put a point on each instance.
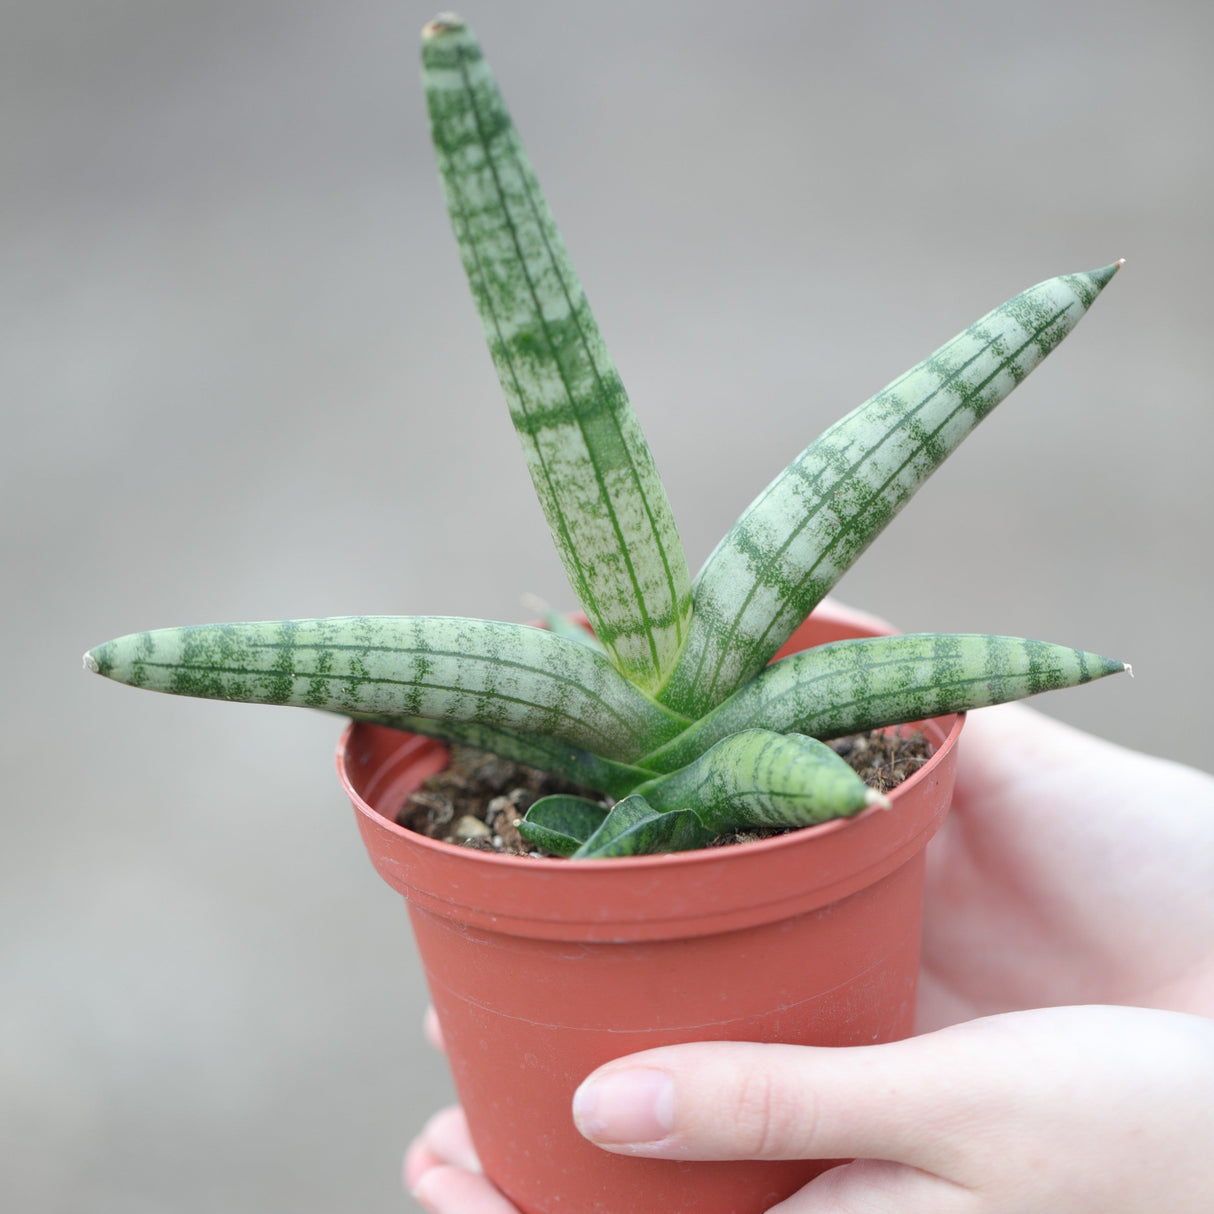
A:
(671, 704)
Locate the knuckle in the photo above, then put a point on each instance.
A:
(776, 1121)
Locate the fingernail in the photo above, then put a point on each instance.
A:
(423, 1198)
(434, 1203)
(627, 1106)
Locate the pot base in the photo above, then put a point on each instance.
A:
(526, 1022)
(542, 971)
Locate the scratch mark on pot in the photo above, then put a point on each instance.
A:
(765, 1012)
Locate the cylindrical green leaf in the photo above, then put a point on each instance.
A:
(761, 778)
(806, 528)
(849, 686)
(592, 469)
(425, 666)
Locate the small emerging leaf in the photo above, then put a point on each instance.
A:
(561, 624)
(562, 823)
(635, 828)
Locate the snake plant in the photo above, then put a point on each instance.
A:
(670, 703)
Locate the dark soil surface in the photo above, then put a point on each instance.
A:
(477, 799)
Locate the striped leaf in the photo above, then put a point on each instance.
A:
(806, 528)
(530, 749)
(849, 686)
(453, 669)
(762, 778)
(588, 458)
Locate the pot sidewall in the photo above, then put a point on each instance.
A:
(541, 971)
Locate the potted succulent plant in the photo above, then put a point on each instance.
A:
(669, 703)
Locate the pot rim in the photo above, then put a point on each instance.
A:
(656, 897)
(949, 727)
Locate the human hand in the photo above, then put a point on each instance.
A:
(1069, 871)
(1069, 1110)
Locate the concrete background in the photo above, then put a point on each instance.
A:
(242, 379)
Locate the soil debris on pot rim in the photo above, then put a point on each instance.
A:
(476, 800)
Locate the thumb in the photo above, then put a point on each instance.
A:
(741, 1100)
(977, 1105)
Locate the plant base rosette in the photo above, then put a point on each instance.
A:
(542, 970)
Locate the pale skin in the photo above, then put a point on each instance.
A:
(1065, 1051)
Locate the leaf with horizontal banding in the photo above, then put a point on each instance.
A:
(447, 668)
(758, 777)
(801, 534)
(754, 779)
(592, 469)
(849, 686)
(532, 750)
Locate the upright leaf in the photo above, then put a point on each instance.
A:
(588, 459)
(849, 686)
(807, 527)
(402, 666)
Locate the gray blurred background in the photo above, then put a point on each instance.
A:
(243, 379)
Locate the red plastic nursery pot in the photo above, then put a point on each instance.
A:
(542, 970)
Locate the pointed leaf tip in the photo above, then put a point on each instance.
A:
(1104, 275)
(590, 464)
(444, 23)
